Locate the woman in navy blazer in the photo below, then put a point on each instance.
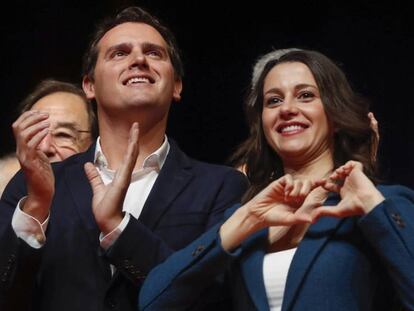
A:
(321, 235)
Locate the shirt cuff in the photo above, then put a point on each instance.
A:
(109, 239)
(28, 228)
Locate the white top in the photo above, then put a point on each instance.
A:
(275, 271)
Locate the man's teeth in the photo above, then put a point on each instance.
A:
(291, 128)
(138, 80)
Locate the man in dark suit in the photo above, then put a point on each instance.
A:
(84, 234)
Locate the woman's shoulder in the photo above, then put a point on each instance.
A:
(396, 190)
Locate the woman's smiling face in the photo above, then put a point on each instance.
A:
(293, 116)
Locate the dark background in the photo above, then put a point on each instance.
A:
(372, 41)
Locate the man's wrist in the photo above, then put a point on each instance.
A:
(109, 225)
(36, 209)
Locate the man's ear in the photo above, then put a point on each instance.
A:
(178, 87)
(88, 87)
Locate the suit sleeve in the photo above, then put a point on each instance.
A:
(19, 262)
(138, 249)
(183, 280)
(389, 228)
(233, 186)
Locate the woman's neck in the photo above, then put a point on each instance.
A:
(316, 168)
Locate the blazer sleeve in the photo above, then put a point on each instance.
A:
(19, 263)
(389, 228)
(127, 252)
(184, 279)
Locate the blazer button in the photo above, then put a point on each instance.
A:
(5, 276)
(398, 220)
(111, 304)
(12, 258)
(198, 250)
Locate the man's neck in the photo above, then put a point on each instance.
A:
(114, 141)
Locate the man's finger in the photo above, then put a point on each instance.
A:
(94, 178)
(28, 119)
(123, 174)
(35, 140)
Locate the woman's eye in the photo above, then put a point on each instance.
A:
(273, 101)
(306, 95)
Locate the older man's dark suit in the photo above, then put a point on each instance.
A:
(72, 272)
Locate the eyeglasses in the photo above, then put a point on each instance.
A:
(67, 137)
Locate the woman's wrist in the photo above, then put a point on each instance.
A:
(237, 228)
(371, 199)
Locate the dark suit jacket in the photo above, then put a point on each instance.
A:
(341, 264)
(71, 271)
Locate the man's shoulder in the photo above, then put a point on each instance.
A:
(202, 168)
(212, 168)
(220, 175)
(180, 156)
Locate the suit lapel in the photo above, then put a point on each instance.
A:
(173, 178)
(251, 265)
(78, 185)
(81, 192)
(309, 248)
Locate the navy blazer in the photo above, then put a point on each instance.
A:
(71, 271)
(355, 263)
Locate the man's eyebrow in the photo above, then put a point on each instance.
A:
(116, 47)
(146, 46)
(153, 46)
(67, 125)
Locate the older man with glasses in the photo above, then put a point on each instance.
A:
(71, 119)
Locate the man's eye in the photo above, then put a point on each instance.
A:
(118, 54)
(63, 135)
(154, 53)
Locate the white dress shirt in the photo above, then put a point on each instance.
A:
(32, 231)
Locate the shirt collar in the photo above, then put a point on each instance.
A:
(155, 160)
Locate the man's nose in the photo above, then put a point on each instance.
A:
(138, 60)
(47, 146)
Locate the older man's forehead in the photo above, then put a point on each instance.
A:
(64, 108)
